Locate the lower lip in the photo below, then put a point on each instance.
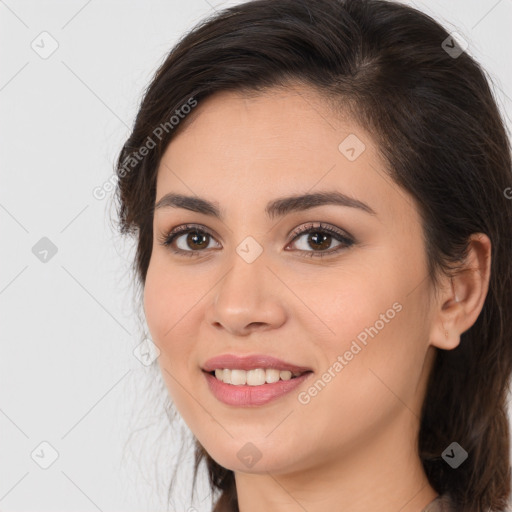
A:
(246, 396)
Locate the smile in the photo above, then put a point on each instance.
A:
(256, 377)
(251, 395)
(251, 380)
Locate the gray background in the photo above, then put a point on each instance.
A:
(69, 325)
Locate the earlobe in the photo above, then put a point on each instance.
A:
(462, 299)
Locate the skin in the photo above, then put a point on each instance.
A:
(353, 446)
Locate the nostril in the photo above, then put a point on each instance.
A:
(257, 324)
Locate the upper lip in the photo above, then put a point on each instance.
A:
(250, 362)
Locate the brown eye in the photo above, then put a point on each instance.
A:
(187, 240)
(196, 240)
(320, 239)
(191, 240)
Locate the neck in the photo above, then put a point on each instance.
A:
(383, 473)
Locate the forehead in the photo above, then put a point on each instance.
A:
(295, 113)
(237, 147)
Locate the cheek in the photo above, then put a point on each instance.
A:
(155, 303)
(168, 312)
(371, 335)
(345, 304)
(166, 303)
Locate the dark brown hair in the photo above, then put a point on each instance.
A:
(438, 128)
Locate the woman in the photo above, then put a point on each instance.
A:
(319, 195)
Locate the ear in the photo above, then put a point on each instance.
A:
(461, 298)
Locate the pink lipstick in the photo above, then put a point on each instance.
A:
(252, 380)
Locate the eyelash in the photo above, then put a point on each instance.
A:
(168, 238)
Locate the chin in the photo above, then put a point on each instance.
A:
(248, 457)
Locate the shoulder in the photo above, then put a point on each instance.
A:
(442, 503)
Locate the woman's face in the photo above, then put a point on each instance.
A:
(359, 318)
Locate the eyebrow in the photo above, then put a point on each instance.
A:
(275, 208)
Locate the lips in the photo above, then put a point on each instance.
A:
(253, 396)
(251, 362)
(241, 395)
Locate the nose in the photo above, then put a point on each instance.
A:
(247, 298)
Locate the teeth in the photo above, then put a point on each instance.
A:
(285, 375)
(272, 376)
(255, 377)
(238, 377)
